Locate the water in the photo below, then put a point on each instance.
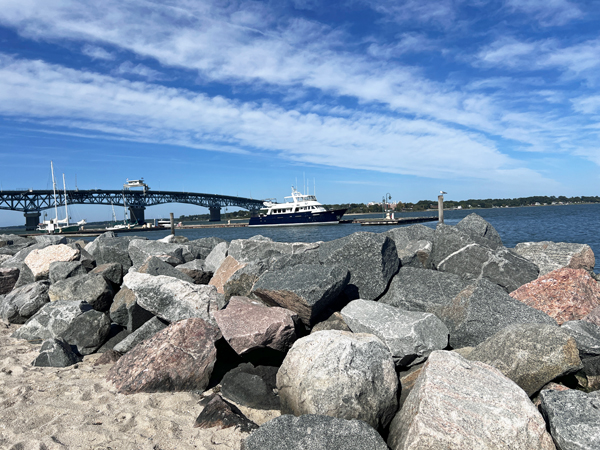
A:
(562, 223)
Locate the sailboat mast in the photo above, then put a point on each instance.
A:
(54, 190)
(66, 209)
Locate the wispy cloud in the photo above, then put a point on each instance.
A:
(128, 68)
(547, 12)
(96, 52)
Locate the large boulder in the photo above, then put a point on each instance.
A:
(8, 279)
(107, 248)
(173, 254)
(77, 323)
(564, 294)
(573, 418)
(409, 335)
(587, 336)
(112, 272)
(24, 302)
(155, 266)
(242, 281)
(39, 259)
(179, 358)
(308, 290)
(313, 431)
(91, 288)
(196, 271)
(55, 353)
(413, 244)
(248, 325)
(202, 247)
(220, 414)
(172, 299)
(472, 314)
(251, 386)
(50, 239)
(126, 312)
(265, 250)
(530, 354)
(61, 270)
(216, 257)
(480, 230)
(371, 259)
(589, 377)
(339, 374)
(145, 331)
(459, 404)
(224, 272)
(549, 256)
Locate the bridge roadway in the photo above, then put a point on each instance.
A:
(32, 202)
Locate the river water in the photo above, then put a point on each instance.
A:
(560, 223)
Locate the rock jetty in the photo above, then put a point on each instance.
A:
(413, 338)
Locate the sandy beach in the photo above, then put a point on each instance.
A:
(76, 408)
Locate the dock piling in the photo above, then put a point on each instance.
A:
(172, 224)
(441, 208)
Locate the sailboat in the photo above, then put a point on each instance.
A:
(56, 224)
(126, 224)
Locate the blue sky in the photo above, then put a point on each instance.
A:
(478, 98)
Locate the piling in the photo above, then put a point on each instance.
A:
(441, 208)
(172, 224)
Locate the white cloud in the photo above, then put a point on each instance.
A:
(547, 12)
(587, 104)
(140, 70)
(96, 52)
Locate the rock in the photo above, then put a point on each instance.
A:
(25, 276)
(248, 325)
(196, 271)
(107, 249)
(91, 288)
(573, 418)
(410, 336)
(4, 258)
(229, 266)
(413, 244)
(472, 314)
(39, 259)
(112, 272)
(155, 266)
(147, 330)
(312, 431)
(265, 250)
(179, 358)
(24, 302)
(460, 404)
(126, 312)
(564, 294)
(21, 254)
(108, 357)
(61, 270)
(586, 335)
(8, 279)
(173, 254)
(309, 291)
(371, 259)
(172, 299)
(251, 386)
(74, 322)
(593, 316)
(333, 322)
(481, 231)
(243, 280)
(117, 334)
(530, 354)
(216, 257)
(339, 374)
(589, 377)
(221, 414)
(202, 247)
(407, 379)
(172, 239)
(508, 269)
(549, 256)
(49, 239)
(55, 353)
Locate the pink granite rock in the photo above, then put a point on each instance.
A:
(8, 279)
(248, 325)
(564, 294)
(181, 357)
(39, 259)
(229, 266)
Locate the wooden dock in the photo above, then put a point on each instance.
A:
(400, 221)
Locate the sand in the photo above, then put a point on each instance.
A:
(76, 408)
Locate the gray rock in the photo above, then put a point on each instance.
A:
(530, 354)
(8, 278)
(413, 244)
(196, 271)
(61, 270)
(314, 432)
(74, 322)
(25, 276)
(509, 270)
(39, 260)
(14, 240)
(3, 258)
(19, 256)
(105, 250)
(481, 231)
(48, 239)
(472, 314)
(173, 239)
(86, 260)
(91, 288)
(587, 336)
(266, 251)
(573, 418)
(220, 414)
(309, 291)
(117, 334)
(460, 404)
(242, 281)
(147, 330)
(251, 386)
(112, 272)
(549, 256)
(589, 377)
(172, 299)
(202, 247)
(173, 254)
(333, 322)
(126, 312)
(55, 353)
(155, 266)
(339, 374)
(24, 302)
(216, 257)
(409, 335)
(371, 259)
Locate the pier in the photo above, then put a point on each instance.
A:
(400, 221)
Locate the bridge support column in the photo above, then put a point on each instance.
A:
(215, 214)
(32, 220)
(137, 214)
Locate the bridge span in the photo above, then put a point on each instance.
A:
(33, 202)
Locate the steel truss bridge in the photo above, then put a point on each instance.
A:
(32, 202)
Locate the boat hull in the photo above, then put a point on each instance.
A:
(300, 218)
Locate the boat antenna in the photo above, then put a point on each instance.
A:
(54, 190)
(66, 210)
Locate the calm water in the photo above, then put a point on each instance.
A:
(565, 223)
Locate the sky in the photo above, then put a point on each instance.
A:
(355, 99)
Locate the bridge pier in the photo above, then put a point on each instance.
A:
(136, 213)
(32, 220)
(215, 214)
